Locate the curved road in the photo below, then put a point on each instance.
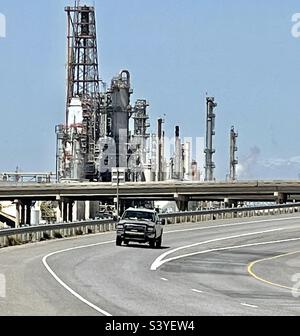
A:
(236, 267)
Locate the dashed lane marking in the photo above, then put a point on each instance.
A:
(249, 305)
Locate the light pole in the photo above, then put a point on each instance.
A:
(118, 175)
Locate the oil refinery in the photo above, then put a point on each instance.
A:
(96, 136)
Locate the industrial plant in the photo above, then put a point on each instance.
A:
(106, 137)
(96, 137)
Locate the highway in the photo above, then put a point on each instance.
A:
(232, 267)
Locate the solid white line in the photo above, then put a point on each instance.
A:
(164, 279)
(222, 249)
(159, 261)
(101, 311)
(69, 289)
(197, 291)
(248, 305)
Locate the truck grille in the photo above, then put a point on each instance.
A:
(134, 230)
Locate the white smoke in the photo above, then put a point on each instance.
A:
(247, 165)
(252, 167)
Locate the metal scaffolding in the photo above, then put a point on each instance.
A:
(77, 152)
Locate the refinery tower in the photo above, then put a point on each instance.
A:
(95, 138)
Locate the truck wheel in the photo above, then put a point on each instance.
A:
(159, 242)
(118, 241)
(152, 243)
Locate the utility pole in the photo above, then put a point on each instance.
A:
(233, 150)
(210, 132)
(118, 175)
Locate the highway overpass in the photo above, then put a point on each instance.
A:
(271, 191)
(23, 194)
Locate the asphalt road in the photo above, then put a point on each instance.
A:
(236, 267)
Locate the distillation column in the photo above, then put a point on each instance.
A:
(178, 155)
(210, 132)
(160, 150)
(233, 150)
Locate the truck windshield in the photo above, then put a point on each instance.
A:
(139, 215)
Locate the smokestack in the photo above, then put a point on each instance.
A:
(178, 155)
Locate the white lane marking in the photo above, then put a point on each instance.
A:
(197, 291)
(233, 225)
(164, 279)
(159, 261)
(217, 262)
(69, 289)
(248, 305)
(222, 249)
(110, 242)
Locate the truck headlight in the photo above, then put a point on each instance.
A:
(120, 227)
(151, 229)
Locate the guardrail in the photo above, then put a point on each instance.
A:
(227, 213)
(23, 235)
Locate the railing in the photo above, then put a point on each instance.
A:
(44, 232)
(23, 235)
(227, 213)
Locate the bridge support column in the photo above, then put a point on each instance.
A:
(17, 203)
(87, 210)
(182, 202)
(59, 209)
(59, 212)
(65, 211)
(28, 212)
(23, 213)
(74, 210)
(70, 211)
(230, 203)
(281, 198)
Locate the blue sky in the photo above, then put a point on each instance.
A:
(241, 52)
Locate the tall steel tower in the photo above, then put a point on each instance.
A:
(138, 142)
(233, 150)
(95, 138)
(76, 140)
(210, 132)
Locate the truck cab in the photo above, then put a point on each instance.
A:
(140, 226)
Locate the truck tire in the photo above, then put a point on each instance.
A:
(152, 243)
(118, 241)
(159, 242)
